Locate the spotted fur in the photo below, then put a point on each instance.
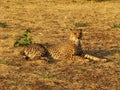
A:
(70, 49)
(34, 51)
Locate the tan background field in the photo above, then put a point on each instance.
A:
(50, 21)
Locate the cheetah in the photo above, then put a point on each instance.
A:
(70, 49)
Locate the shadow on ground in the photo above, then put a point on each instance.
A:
(102, 53)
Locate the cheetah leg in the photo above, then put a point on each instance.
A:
(41, 58)
(47, 59)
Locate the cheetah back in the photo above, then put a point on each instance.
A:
(33, 51)
(65, 50)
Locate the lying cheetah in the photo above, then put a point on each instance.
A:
(71, 49)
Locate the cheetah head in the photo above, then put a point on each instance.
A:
(76, 34)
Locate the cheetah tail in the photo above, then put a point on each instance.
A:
(94, 58)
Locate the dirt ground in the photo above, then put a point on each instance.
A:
(49, 21)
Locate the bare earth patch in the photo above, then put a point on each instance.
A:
(49, 21)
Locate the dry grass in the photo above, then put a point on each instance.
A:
(49, 21)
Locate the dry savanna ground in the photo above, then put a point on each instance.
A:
(49, 21)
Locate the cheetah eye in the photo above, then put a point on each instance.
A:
(75, 33)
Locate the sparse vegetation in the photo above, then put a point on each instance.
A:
(97, 0)
(115, 26)
(46, 74)
(3, 24)
(80, 24)
(24, 39)
(3, 62)
(74, 1)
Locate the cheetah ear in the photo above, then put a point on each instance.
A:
(71, 29)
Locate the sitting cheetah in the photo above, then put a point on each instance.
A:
(71, 49)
